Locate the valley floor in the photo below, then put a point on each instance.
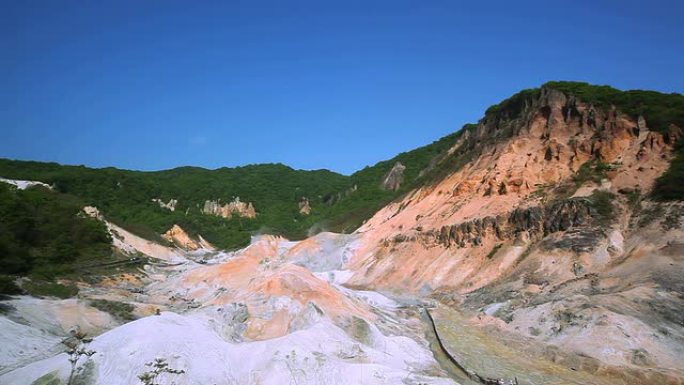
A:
(281, 312)
(268, 314)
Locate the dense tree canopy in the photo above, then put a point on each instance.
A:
(40, 228)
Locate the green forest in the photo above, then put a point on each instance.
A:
(339, 203)
(41, 229)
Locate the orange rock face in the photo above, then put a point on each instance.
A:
(548, 142)
(257, 277)
(180, 238)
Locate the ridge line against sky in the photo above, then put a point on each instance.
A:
(312, 85)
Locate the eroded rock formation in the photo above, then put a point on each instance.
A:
(170, 205)
(394, 178)
(180, 238)
(304, 206)
(243, 209)
(535, 221)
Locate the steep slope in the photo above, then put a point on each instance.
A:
(529, 156)
(43, 231)
(542, 226)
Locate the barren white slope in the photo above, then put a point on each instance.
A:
(313, 356)
(256, 316)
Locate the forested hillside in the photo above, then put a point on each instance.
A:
(338, 202)
(44, 234)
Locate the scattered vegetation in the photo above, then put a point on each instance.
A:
(541, 192)
(493, 251)
(593, 170)
(77, 348)
(641, 357)
(119, 310)
(650, 214)
(633, 198)
(670, 185)
(602, 202)
(659, 109)
(51, 378)
(514, 105)
(504, 313)
(49, 289)
(673, 218)
(8, 285)
(159, 366)
(565, 318)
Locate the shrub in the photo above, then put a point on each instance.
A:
(670, 185)
(8, 286)
(650, 214)
(493, 251)
(633, 198)
(602, 202)
(659, 109)
(120, 310)
(49, 289)
(593, 170)
(158, 367)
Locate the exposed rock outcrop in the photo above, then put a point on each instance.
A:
(24, 184)
(535, 221)
(234, 317)
(332, 198)
(180, 238)
(243, 209)
(496, 187)
(93, 212)
(170, 205)
(394, 178)
(304, 206)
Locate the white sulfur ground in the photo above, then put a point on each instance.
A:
(315, 352)
(321, 354)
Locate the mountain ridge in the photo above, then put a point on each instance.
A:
(337, 202)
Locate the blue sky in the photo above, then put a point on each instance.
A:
(318, 84)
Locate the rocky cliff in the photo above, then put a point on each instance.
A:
(170, 205)
(243, 209)
(540, 220)
(394, 178)
(177, 236)
(304, 206)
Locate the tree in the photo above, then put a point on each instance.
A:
(159, 366)
(77, 347)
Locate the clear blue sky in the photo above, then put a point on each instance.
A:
(318, 84)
